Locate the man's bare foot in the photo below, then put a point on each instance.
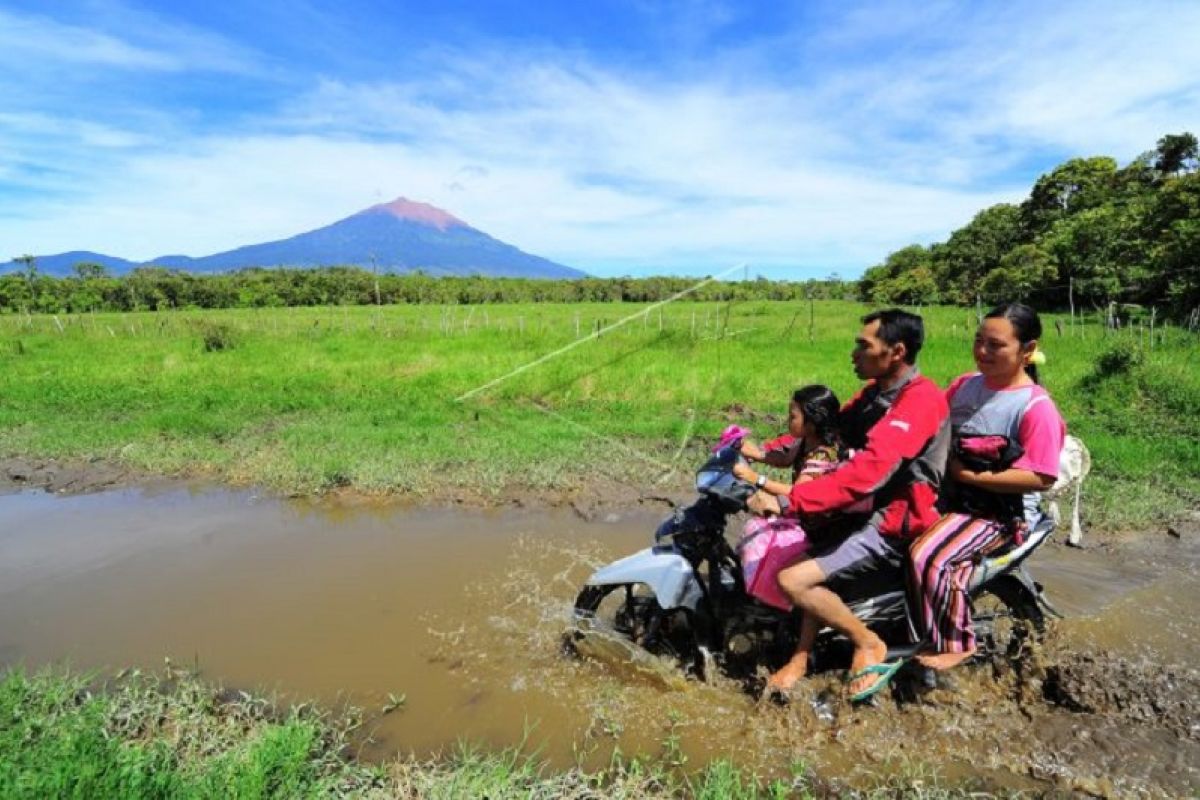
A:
(873, 653)
(784, 679)
(944, 661)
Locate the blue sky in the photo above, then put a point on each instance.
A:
(629, 137)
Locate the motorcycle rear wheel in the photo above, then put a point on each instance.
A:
(1007, 619)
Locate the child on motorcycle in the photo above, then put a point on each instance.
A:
(811, 442)
(1007, 436)
(812, 447)
(776, 539)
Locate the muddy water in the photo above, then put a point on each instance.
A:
(462, 612)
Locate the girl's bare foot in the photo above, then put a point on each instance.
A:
(786, 677)
(944, 661)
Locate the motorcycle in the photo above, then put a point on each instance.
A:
(684, 598)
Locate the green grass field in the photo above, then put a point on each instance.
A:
(305, 400)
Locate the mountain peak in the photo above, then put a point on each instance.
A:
(412, 211)
(399, 236)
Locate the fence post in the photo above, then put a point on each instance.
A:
(1071, 300)
(812, 317)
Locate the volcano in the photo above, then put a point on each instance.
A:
(401, 236)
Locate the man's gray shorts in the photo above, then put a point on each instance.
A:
(862, 563)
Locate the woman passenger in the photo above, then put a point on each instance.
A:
(1007, 436)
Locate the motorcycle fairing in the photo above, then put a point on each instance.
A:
(1012, 560)
(668, 574)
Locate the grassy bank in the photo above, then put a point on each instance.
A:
(173, 736)
(310, 399)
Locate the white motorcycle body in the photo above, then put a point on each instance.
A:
(664, 571)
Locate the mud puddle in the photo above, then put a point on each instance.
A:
(462, 613)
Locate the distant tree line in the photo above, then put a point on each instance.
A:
(1089, 232)
(92, 288)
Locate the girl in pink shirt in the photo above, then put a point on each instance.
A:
(1007, 437)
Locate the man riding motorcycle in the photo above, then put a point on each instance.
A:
(897, 425)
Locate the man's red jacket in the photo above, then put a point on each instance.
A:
(900, 464)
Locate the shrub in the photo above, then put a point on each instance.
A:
(216, 337)
(1119, 359)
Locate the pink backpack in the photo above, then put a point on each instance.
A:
(766, 547)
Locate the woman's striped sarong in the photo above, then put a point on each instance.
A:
(941, 563)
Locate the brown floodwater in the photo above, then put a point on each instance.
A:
(462, 612)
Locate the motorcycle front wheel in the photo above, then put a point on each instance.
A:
(631, 612)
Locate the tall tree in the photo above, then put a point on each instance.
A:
(1075, 186)
(86, 270)
(905, 277)
(1103, 250)
(29, 272)
(1177, 152)
(1174, 221)
(974, 250)
(1023, 272)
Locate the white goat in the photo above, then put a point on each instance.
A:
(1074, 464)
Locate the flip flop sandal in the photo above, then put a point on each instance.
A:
(885, 670)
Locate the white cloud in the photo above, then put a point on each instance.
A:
(31, 37)
(1081, 78)
(146, 42)
(190, 204)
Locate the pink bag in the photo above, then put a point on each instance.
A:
(766, 547)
